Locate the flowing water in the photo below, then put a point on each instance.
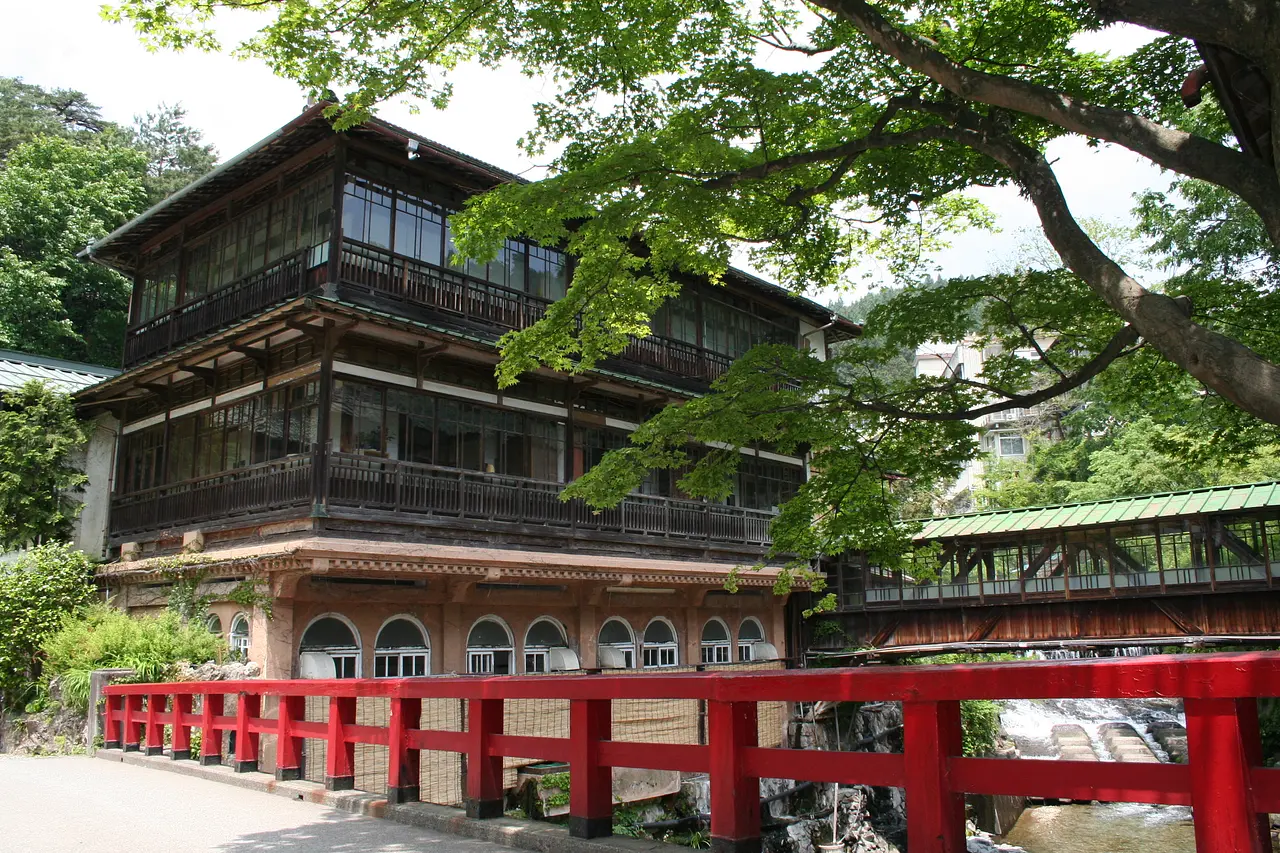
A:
(1108, 828)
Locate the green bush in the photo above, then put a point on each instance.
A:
(105, 638)
(980, 719)
(37, 592)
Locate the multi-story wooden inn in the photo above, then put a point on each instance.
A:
(309, 401)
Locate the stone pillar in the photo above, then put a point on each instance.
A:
(588, 635)
(692, 631)
(453, 638)
(271, 641)
(777, 626)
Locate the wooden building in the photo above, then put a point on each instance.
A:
(1170, 567)
(310, 420)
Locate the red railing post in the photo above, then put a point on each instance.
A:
(180, 749)
(591, 790)
(211, 706)
(403, 762)
(289, 744)
(248, 706)
(113, 722)
(154, 733)
(484, 771)
(735, 795)
(935, 814)
(132, 722)
(340, 755)
(1222, 746)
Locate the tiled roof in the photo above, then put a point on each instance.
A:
(1115, 511)
(19, 368)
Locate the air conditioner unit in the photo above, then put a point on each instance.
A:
(562, 660)
(611, 658)
(316, 665)
(764, 651)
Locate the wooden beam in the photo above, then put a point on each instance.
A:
(208, 374)
(258, 355)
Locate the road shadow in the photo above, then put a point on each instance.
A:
(336, 832)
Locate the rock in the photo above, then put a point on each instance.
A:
(213, 671)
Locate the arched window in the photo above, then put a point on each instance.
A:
(616, 634)
(544, 634)
(401, 650)
(489, 647)
(239, 638)
(335, 637)
(213, 624)
(750, 632)
(660, 648)
(715, 642)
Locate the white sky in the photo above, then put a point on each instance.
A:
(65, 43)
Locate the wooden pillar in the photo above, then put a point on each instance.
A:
(735, 796)
(335, 237)
(1222, 747)
(340, 756)
(180, 706)
(289, 745)
(154, 734)
(935, 815)
(484, 771)
(212, 706)
(324, 416)
(591, 791)
(403, 761)
(248, 707)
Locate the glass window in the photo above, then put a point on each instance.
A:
(1012, 445)
(715, 642)
(401, 651)
(542, 636)
(489, 648)
(419, 231)
(239, 639)
(660, 648)
(548, 273)
(367, 213)
(357, 418)
(213, 624)
(616, 634)
(749, 633)
(333, 637)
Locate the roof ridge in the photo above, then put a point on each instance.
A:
(1099, 501)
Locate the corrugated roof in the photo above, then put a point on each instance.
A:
(19, 368)
(1241, 497)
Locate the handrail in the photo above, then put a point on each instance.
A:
(433, 489)
(1224, 781)
(464, 295)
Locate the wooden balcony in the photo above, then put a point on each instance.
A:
(377, 271)
(269, 486)
(282, 280)
(412, 490)
(403, 487)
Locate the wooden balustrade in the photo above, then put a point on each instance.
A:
(237, 301)
(268, 486)
(387, 274)
(1224, 781)
(407, 487)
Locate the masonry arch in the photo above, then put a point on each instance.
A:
(402, 648)
(544, 634)
(716, 641)
(334, 635)
(661, 644)
(616, 645)
(490, 648)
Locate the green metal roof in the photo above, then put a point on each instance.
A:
(1114, 511)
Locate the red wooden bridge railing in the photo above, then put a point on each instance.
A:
(1224, 782)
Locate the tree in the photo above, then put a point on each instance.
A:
(39, 432)
(56, 196)
(176, 153)
(28, 111)
(816, 134)
(37, 592)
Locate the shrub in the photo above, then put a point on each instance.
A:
(37, 592)
(105, 638)
(980, 720)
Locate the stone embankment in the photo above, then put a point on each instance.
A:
(1125, 744)
(1172, 738)
(1073, 743)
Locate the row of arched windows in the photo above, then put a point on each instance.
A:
(403, 647)
(238, 638)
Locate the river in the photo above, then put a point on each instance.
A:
(1106, 828)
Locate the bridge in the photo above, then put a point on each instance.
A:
(1195, 566)
(1224, 781)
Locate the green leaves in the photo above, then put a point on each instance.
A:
(39, 433)
(36, 593)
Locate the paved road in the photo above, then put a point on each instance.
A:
(59, 805)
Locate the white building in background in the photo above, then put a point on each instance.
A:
(1004, 434)
(96, 458)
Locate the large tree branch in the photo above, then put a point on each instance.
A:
(1181, 152)
(842, 151)
(1222, 364)
(1119, 345)
(1245, 26)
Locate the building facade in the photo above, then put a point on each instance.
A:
(310, 422)
(1002, 435)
